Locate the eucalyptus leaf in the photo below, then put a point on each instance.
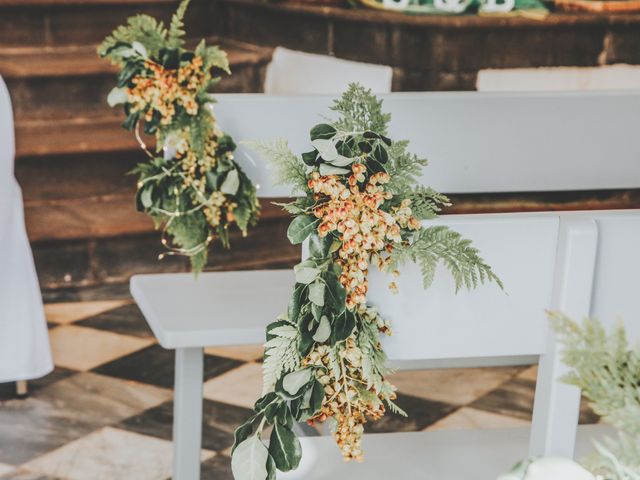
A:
(294, 381)
(284, 448)
(305, 274)
(140, 49)
(145, 196)
(323, 131)
(243, 432)
(117, 96)
(326, 149)
(341, 161)
(249, 460)
(324, 330)
(309, 158)
(231, 183)
(300, 228)
(316, 293)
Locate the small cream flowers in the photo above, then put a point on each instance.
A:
(354, 212)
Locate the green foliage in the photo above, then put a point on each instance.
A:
(360, 110)
(196, 195)
(328, 338)
(607, 370)
(288, 169)
(281, 353)
(440, 244)
(405, 169)
(426, 203)
(190, 233)
(176, 28)
(143, 29)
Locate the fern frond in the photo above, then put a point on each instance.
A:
(405, 169)
(426, 203)
(140, 28)
(395, 408)
(288, 169)
(433, 245)
(280, 355)
(176, 27)
(607, 370)
(360, 110)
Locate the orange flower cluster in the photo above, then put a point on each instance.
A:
(162, 89)
(365, 230)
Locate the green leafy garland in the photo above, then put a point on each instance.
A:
(607, 370)
(361, 204)
(190, 185)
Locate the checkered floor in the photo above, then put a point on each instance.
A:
(106, 411)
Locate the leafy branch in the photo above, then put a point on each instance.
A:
(433, 245)
(607, 370)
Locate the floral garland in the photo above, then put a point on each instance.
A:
(361, 205)
(191, 185)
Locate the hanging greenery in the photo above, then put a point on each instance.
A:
(361, 204)
(190, 185)
(607, 369)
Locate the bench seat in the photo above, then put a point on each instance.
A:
(217, 308)
(435, 455)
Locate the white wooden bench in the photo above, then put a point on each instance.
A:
(476, 143)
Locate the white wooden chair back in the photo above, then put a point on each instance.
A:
(496, 143)
(300, 73)
(615, 288)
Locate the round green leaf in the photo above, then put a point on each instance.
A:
(300, 228)
(249, 460)
(284, 448)
(316, 293)
(323, 331)
(322, 130)
(294, 381)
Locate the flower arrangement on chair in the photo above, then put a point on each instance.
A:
(361, 204)
(190, 185)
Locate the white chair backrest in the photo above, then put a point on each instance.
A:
(615, 289)
(7, 137)
(444, 326)
(475, 142)
(293, 73)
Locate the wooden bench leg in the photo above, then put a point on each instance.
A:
(22, 388)
(187, 413)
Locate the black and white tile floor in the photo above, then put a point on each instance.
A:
(105, 413)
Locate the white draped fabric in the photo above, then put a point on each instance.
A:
(24, 342)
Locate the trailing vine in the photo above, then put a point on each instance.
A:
(190, 184)
(362, 204)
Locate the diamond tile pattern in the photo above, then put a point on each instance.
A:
(106, 411)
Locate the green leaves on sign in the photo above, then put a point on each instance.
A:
(284, 448)
(300, 228)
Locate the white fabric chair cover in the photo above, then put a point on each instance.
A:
(291, 72)
(24, 342)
